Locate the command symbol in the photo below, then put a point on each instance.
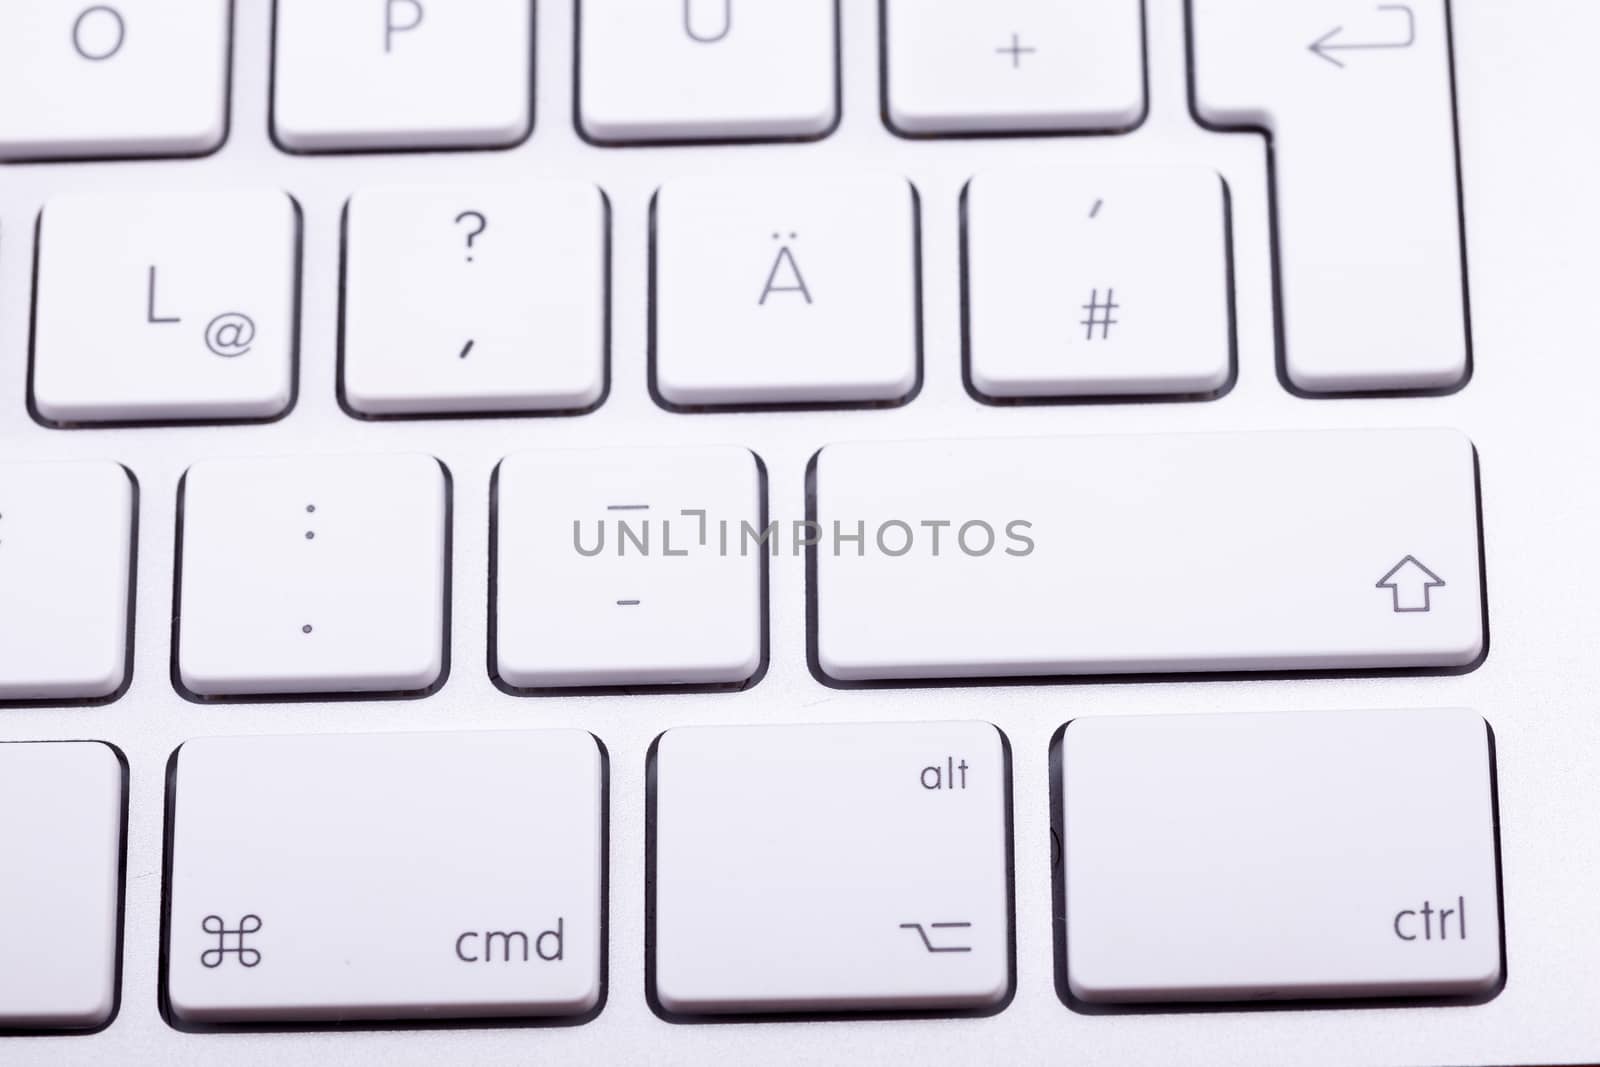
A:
(214, 924)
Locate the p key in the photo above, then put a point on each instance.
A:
(402, 74)
(1358, 99)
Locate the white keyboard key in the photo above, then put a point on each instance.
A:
(693, 70)
(166, 306)
(398, 74)
(1098, 281)
(132, 78)
(1148, 554)
(1358, 100)
(475, 298)
(785, 290)
(1288, 856)
(66, 552)
(386, 876)
(629, 567)
(831, 868)
(1013, 66)
(313, 574)
(61, 810)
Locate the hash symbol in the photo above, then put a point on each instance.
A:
(1101, 315)
(213, 957)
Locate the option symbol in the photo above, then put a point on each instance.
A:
(928, 942)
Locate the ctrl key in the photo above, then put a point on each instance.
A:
(1280, 856)
(385, 876)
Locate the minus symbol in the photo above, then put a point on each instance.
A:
(627, 603)
(627, 507)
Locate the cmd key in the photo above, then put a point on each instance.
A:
(1147, 554)
(1358, 99)
(393, 876)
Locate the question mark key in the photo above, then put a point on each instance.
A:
(475, 298)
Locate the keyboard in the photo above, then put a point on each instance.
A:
(727, 530)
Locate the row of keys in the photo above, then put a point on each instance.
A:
(150, 77)
(640, 567)
(864, 868)
(1371, 259)
(477, 299)
(482, 299)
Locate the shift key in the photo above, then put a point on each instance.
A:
(1159, 553)
(385, 876)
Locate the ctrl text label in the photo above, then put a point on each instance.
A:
(512, 946)
(1429, 923)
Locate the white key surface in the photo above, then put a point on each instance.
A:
(1178, 553)
(1098, 281)
(386, 876)
(1278, 855)
(313, 574)
(693, 70)
(831, 868)
(131, 78)
(402, 74)
(66, 545)
(785, 291)
(1358, 101)
(628, 567)
(61, 811)
(166, 306)
(475, 298)
(1013, 66)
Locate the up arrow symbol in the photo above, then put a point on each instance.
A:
(1412, 585)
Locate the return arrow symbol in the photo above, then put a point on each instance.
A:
(1325, 45)
(1412, 585)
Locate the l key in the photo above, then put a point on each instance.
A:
(1358, 99)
